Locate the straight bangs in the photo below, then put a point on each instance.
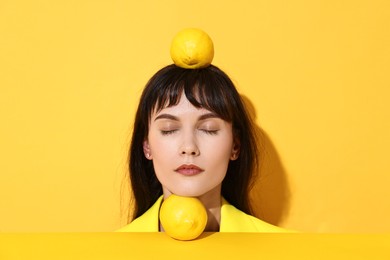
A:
(206, 88)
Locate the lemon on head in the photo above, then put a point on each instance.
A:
(192, 49)
(183, 218)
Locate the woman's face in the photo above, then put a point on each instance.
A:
(190, 149)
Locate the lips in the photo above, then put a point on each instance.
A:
(189, 170)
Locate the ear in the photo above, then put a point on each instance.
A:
(235, 149)
(147, 150)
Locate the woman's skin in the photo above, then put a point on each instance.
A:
(191, 148)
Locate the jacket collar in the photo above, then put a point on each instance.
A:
(149, 221)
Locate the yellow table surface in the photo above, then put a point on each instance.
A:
(208, 246)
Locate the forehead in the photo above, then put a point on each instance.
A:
(183, 107)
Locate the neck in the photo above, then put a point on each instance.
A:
(212, 202)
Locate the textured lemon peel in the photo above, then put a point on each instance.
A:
(183, 218)
(192, 49)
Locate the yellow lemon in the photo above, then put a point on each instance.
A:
(183, 218)
(192, 49)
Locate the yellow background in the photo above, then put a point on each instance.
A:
(315, 75)
(96, 245)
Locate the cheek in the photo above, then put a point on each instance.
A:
(163, 152)
(218, 150)
(217, 161)
(162, 148)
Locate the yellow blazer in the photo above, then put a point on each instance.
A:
(232, 220)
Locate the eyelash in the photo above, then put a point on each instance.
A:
(168, 132)
(209, 132)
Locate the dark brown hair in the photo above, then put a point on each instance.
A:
(209, 88)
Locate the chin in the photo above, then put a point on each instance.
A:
(192, 189)
(188, 192)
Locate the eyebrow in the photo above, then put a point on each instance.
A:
(167, 116)
(175, 118)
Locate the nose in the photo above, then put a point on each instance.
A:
(189, 146)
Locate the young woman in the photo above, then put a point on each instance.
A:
(193, 137)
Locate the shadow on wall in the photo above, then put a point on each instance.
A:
(270, 195)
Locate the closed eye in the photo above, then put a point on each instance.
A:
(210, 132)
(167, 132)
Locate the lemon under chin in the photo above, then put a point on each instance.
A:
(183, 218)
(192, 49)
